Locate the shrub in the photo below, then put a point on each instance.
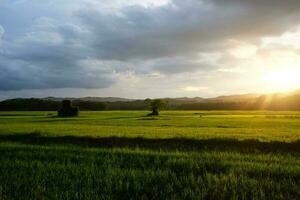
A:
(67, 110)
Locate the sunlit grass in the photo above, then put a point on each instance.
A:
(266, 126)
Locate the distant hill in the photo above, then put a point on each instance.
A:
(94, 99)
(235, 98)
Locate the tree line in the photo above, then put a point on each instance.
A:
(263, 102)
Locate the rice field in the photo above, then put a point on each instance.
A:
(126, 155)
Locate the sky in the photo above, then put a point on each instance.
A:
(148, 48)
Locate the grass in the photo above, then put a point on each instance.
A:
(266, 126)
(125, 155)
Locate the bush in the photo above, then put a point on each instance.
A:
(68, 110)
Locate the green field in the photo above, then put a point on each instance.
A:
(126, 155)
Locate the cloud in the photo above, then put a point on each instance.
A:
(177, 65)
(186, 27)
(13, 77)
(50, 55)
(87, 44)
(1, 31)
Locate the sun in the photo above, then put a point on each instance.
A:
(283, 79)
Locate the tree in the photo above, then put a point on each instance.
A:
(67, 110)
(155, 105)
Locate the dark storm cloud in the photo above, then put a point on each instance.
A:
(14, 77)
(54, 46)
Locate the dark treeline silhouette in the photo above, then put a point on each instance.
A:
(258, 102)
(29, 105)
(34, 104)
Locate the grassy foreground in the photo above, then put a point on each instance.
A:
(125, 155)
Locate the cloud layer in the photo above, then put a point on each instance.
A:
(92, 44)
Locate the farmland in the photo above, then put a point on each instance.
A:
(126, 155)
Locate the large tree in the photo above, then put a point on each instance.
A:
(155, 105)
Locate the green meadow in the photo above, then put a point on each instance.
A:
(126, 155)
